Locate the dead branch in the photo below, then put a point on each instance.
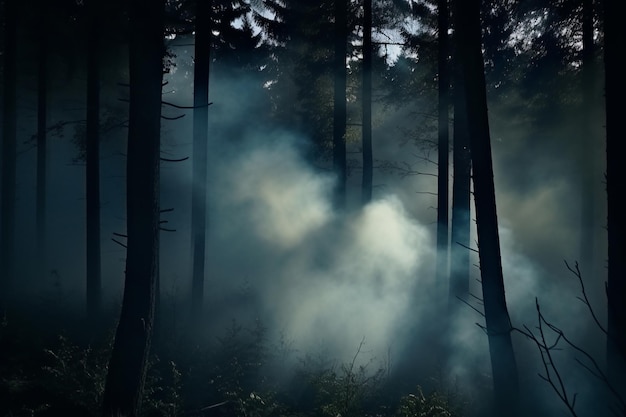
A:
(551, 372)
(174, 160)
(471, 306)
(119, 243)
(585, 299)
(173, 117)
(176, 106)
(467, 247)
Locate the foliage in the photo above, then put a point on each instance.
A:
(163, 390)
(234, 377)
(238, 357)
(76, 373)
(346, 389)
(72, 379)
(435, 404)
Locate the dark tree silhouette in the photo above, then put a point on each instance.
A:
(200, 137)
(588, 157)
(42, 110)
(443, 243)
(615, 90)
(127, 367)
(368, 162)
(340, 112)
(460, 224)
(92, 159)
(7, 250)
(498, 325)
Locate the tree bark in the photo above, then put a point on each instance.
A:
(443, 243)
(200, 137)
(498, 325)
(340, 112)
(368, 163)
(42, 113)
(461, 161)
(590, 173)
(94, 284)
(7, 251)
(615, 90)
(127, 367)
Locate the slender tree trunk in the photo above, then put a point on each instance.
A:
(94, 285)
(615, 91)
(461, 221)
(127, 367)
(42, 112)
(443, 243)
(498, 325)
(368, 163)
(7, 251)
(590, 173)
(339, 122)
(200, 138)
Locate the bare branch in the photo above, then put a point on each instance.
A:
(119, 243)
(470, 306)
(173, 117)
(585, 299)
(466, 247)
(176, 106)
(174, 160)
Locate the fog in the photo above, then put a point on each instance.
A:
(278, 251)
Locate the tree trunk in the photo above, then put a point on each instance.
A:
(200, 138)
(443, 244)
(461, 221)
(127, 367)
(498, 325)
(7, 251)
(590, 173)
(615, 90)
(368, 163)
(94, 284)
(42, 90)
(339, 119)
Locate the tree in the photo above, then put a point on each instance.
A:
(589, 165)
(92, 160)
(7, 251)
(128, 363)
(200, 137)
(443, 243)
(42, 91)
(300, 72)
(615, 88)
(339, 106)
(498, 325)
(460, 224)
(368, 163)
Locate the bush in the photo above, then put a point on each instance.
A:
(434, 404)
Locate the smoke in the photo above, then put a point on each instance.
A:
(322, 277)
(279, 252)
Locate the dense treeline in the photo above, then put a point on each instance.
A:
(152, 92)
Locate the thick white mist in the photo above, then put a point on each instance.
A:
(325, 279)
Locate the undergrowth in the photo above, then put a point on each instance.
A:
(233, 377)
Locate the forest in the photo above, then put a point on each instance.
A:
(341, 208)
